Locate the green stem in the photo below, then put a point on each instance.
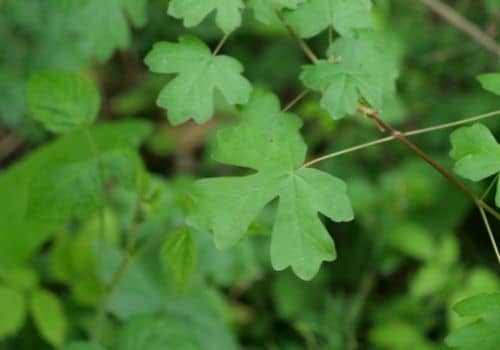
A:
(220, 44)
(330, 36)
(348, 150)
(101, 311)
(119, 273)
(128, 258)
(307, 50)
(295, 100)
(93, 145)
(354, 314)
(490, 187)
(457, 123)
(490, 232)
(97, 154)
(485, 218)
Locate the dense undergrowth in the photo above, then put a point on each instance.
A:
(170, 181)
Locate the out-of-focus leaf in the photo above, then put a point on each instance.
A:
(49, 317)
(75, 189)
(20, 277)
(479, 281)
(314, 16)
(490, 82)
(139, 292)
(102, 25)
(228, 16)
(245, 262)
(152, 333)
(62, 102)
(399, 335)
(180, 254)
(483, 333)
(13, 310)
(20, 234)
(265, 10)
(412, 240)
(81, 345)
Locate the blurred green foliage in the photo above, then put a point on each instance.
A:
(68, 203)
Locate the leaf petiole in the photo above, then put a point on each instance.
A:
(408, 133)
(220, 44)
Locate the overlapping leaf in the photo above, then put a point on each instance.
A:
(28, 186)
(477, 154)
(180, 253)
(227, 18)
(483, 333)
(75, 188)
(104, 24)
(191, 93)
(269, 142)
(265, 9)
(314, 16)
(363, 70)
(155, 317)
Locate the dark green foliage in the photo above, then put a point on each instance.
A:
(121, 229)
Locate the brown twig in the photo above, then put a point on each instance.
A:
(375, 116)
(463, 24)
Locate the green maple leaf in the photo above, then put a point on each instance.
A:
(343, 87)
(228, 16)
(314, 16)
(265, 9)
(365, 71)
(269, 142)
(191, 93)
(477, 154)
(483, 333)
(103, 24)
